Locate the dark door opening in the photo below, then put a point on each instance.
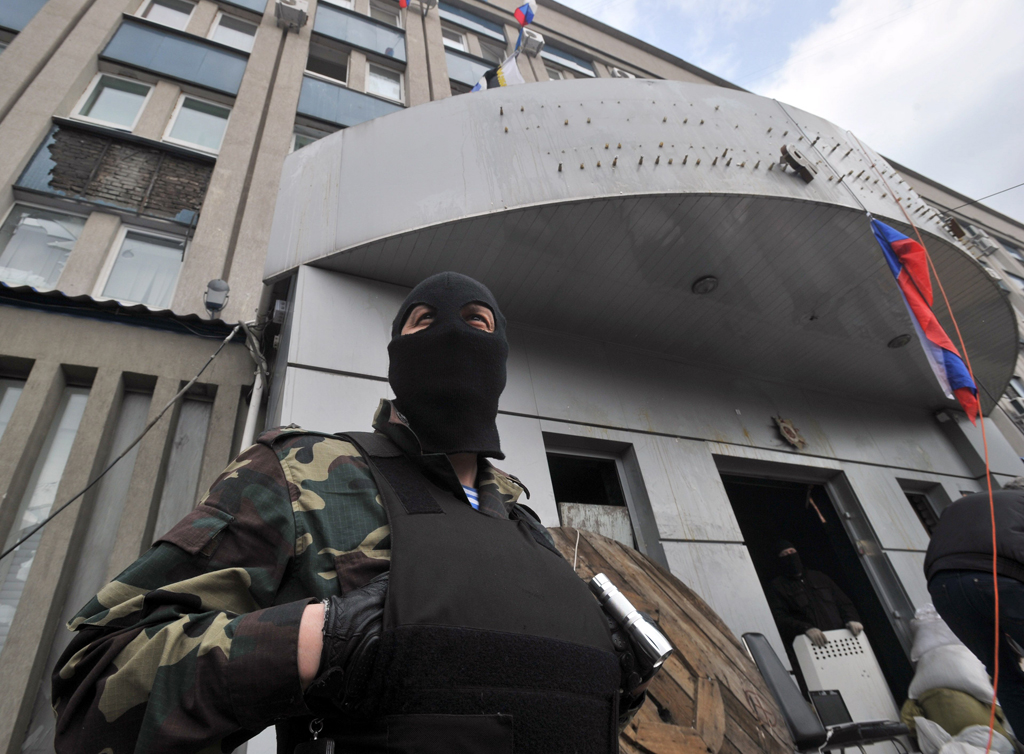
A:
(768, 510)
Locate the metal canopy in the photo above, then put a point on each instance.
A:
(804, 295)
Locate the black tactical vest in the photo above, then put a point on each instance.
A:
(491, 643)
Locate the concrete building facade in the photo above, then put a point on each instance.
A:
(153, 146)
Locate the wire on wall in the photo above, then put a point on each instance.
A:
(125, 452)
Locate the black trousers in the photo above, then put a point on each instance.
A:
(966, 601)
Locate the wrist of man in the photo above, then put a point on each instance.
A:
(311, 642)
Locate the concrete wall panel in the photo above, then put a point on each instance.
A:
(685, 489)
(360, 314)
(909, 566)
(723, 575)
(331, 402)
(526, 460)
(887, 508)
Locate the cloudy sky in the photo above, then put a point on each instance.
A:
(937, 85)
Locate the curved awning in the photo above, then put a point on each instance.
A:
(591, 207)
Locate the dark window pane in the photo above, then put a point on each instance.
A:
(576, 479)
(178, 56)
(923, 509)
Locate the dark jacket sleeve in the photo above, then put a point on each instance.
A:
(186, 650)
(790, 626)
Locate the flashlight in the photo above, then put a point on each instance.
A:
(652, 646)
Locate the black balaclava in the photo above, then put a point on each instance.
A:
(791, 565)
(448, 378)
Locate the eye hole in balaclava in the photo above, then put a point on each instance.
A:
(448, 376)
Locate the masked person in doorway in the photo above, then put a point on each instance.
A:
(808, 602)
(383, 591)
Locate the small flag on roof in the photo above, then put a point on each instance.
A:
(525, 12)
(505, 74)
(909, 265)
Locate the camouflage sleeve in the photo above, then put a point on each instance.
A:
(185, 650)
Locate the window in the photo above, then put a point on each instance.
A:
(233, 32)
(492, 52)
(1017, 280)
(197, 123)
(113, 102)
(145, 269)
(556, 74)
(454, 40)
(386, 14)
(35, 505)
(325, 62)
(1016, 388)
(35, 244)
(173, 13)
(459, 88)
(923, 508)
(341, 3)
(303, 136)
(567, 61)
(384, 82)
(10, 391)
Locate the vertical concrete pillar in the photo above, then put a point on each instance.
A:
(202, 18)
(25, 435)
(417, 80)
(357, 71)
(147, 481)
(28, 644)
(246, 274)
(157, 113)
(217, 231)
(86, 259)
(438, 64)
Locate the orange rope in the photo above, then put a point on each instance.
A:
(984, 441)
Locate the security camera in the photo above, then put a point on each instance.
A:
(216, 296)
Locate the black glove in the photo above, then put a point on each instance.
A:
(352, 629)
(631, 696)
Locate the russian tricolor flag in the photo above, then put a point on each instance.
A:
(909, 264)
(524, 13)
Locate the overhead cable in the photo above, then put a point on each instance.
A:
(987, 197)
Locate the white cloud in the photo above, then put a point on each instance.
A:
(937, 85)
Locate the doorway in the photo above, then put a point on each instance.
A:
(768, 510)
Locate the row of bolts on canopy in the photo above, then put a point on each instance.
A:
(657, 160)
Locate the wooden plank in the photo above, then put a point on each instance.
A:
(662, 738)
(710, 722)
(709, 696)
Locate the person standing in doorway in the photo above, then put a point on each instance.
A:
(958, 567)
(808, 602)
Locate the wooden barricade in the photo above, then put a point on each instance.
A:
(709, 697)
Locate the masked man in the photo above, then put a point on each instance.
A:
(384, 591)
(808, 602)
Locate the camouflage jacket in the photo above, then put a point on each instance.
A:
(194, 646)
